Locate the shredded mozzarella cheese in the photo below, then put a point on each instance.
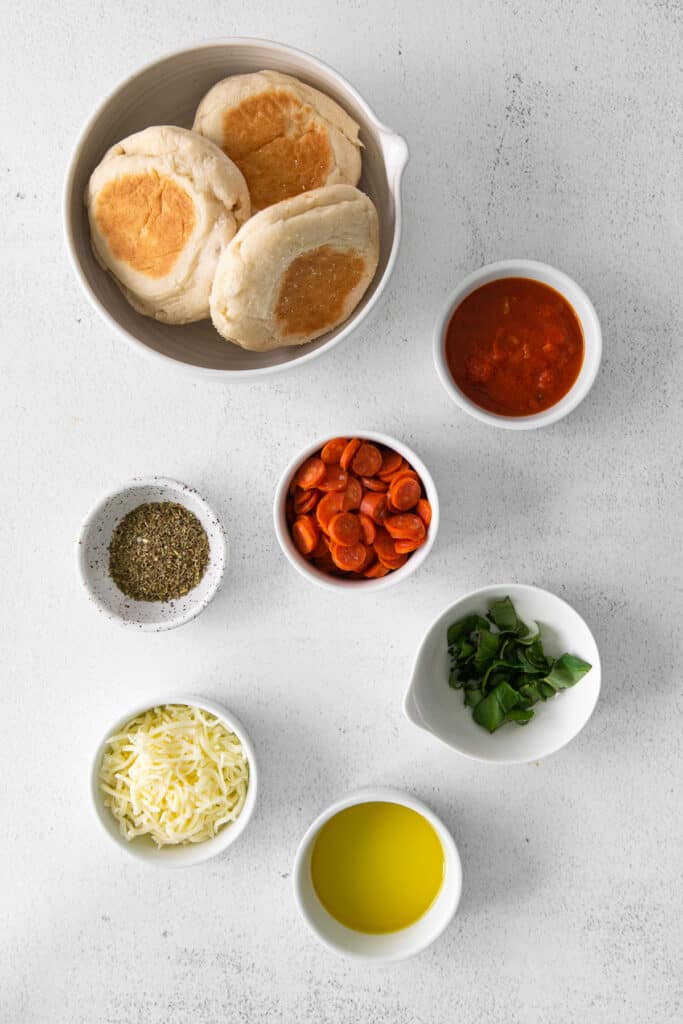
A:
(174, 773)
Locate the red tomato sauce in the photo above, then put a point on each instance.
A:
(514, 346)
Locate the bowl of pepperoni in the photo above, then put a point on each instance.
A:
(356, 511)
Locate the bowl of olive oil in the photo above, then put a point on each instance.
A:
(377, 876)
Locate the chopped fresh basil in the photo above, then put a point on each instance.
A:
(502, 668)
(503, 614)
(465, 626)
(566, 671)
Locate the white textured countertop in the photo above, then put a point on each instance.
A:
(548, 129)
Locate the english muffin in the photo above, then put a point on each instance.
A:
(297, 269)
(285, 136)
(162, 204)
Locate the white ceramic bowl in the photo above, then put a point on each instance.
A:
(168, 92)
(310, 571)
(93, 555)
(431, 704)
(392, 945)
(143, 847)
(583, 307)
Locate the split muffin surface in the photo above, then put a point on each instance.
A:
(285, 136)
(297, 269)
(162, 204)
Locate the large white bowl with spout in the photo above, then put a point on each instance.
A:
(168, 92)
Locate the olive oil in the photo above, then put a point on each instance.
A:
(377, 867)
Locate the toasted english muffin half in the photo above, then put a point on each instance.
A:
(162, 205)
(297, 269)
(285, 136)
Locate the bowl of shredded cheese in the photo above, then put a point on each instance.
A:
(175, 782)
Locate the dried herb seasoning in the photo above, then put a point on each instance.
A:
(502, 668)
(158, 552)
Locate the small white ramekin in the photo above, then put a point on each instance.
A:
(168, 91)
(93, 556)
(309, 571)
(187, 855)
(575, 296)
(389, 946)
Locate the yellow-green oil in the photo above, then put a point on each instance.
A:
(377, 867)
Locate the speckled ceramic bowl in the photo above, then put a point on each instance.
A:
(93, 556)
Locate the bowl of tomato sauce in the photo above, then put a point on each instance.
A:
(518, 345)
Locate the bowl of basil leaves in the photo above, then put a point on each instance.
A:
(509, 673)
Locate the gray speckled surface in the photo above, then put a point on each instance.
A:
(545, 129)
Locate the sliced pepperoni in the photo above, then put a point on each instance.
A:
(322, 548)
(405, 547)
(328, 506)
(384, 545)
(345, 529)
(349, 452)
(424, 510)
(370, 557)
(334, 478)
(325, 563)
(405, 492)
(368, 527)
(386, 551)
(394, 563)
(305, 534)
(349, 558)
(310, 473)
(367, 459)
(353, 494)
(305, 501)
(373, 483)
(374, 505)
(406, 526)
(376, 571)
(333, 450)
(357, 509)
(391, 463)
(403, 468)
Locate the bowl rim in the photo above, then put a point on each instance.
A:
(381, 794)
(393, 183)
(194, 853)
(219, 539)
(482, 592)
(590, 325)
(320, 578)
